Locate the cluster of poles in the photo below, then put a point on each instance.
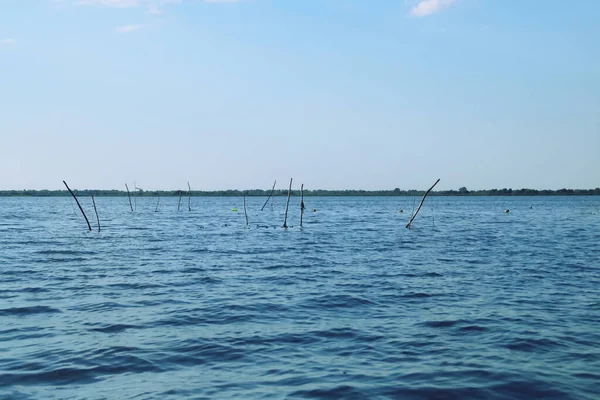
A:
(287, 204)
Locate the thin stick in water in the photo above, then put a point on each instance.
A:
(96, 211)
(301, 204)
(287, 204)
(270, 194)
(138, 192)
(189, 197)
(179, 202)
(245, 212)
(421, 204)
(79, 205)
(129, 196)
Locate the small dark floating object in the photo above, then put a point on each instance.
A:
(314, 210)
(507, 211)
(401, 211)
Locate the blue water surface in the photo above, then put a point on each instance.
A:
(471, 303)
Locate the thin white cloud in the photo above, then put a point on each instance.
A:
(152, 6)
(7, 42)
(109, 3)
(153, 9)
(427, 7)
(155, 6)
(128, 28)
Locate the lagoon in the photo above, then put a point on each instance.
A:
(471, 302)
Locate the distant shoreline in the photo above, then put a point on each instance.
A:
(308, 193)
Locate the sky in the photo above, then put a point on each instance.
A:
(337, 94)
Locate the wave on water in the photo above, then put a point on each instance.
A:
(178, 305)
(30, 310)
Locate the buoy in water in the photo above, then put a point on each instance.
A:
(314, 210)
(507, 211)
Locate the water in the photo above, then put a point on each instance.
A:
(470, 303)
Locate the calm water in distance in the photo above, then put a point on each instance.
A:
(472, 303)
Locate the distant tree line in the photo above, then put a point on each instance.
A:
(463, 191)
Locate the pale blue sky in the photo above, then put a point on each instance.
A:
(338, 94)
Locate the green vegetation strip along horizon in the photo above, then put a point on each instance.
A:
(319, 192)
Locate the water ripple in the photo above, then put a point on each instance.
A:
(471, 304)
(23, 311)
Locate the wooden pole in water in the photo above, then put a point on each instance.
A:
(179, 202)
(96, 211)
(421, 204)
(245, 212)
(301, 204)
(287, 204)
(270, 194)
(79, 205)
(189, 197)
(129, 196)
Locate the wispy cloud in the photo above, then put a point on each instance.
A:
(7, 42)
(155, 6)
(128, 28)
(427, 7)
(153, 9)
(151, 6)
(109, 3)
